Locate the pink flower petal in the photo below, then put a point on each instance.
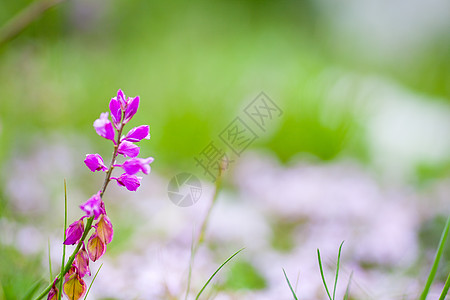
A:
(93, 206)
(122, 100)
(74, 232)
(136, 134)
(116, 112)
(103, 127)
(133, 104)
(134, 165)
(128, 149)
(95, 162)
(131, 182)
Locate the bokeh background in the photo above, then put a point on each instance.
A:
(361, 152)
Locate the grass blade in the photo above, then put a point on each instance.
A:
(437, 258)
(64, 246)
(290, 286)
(93, 279)
(191, 262)
(217, 271)
(50, 262)
(446, 288)
(347, 291)
(337, 270)
(321, 273)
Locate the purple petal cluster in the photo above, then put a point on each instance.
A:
(122, 111)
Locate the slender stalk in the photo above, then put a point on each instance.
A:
(92, 282)
(437, 258)
(290, 286)
(347, 291)
(64, 245)
(50, 262)
(200, 238)
(89, 221)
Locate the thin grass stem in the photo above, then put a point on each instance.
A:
(93, 279)
(337, 270)
(49, 261)
(321, 274)
(437, 258)
(347, 290)
(290, 286)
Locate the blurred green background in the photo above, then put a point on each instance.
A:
(196, 64)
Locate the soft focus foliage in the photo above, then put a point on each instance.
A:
(361, 152)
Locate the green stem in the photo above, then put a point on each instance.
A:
(196, 244)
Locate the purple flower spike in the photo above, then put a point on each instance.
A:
(116, 112)
(128, 149)
(131, 182)
(134, 165)
(138, 133)
(103, 127)
(95, 163)
(74, 232)
(133, 104)
(93, 207)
